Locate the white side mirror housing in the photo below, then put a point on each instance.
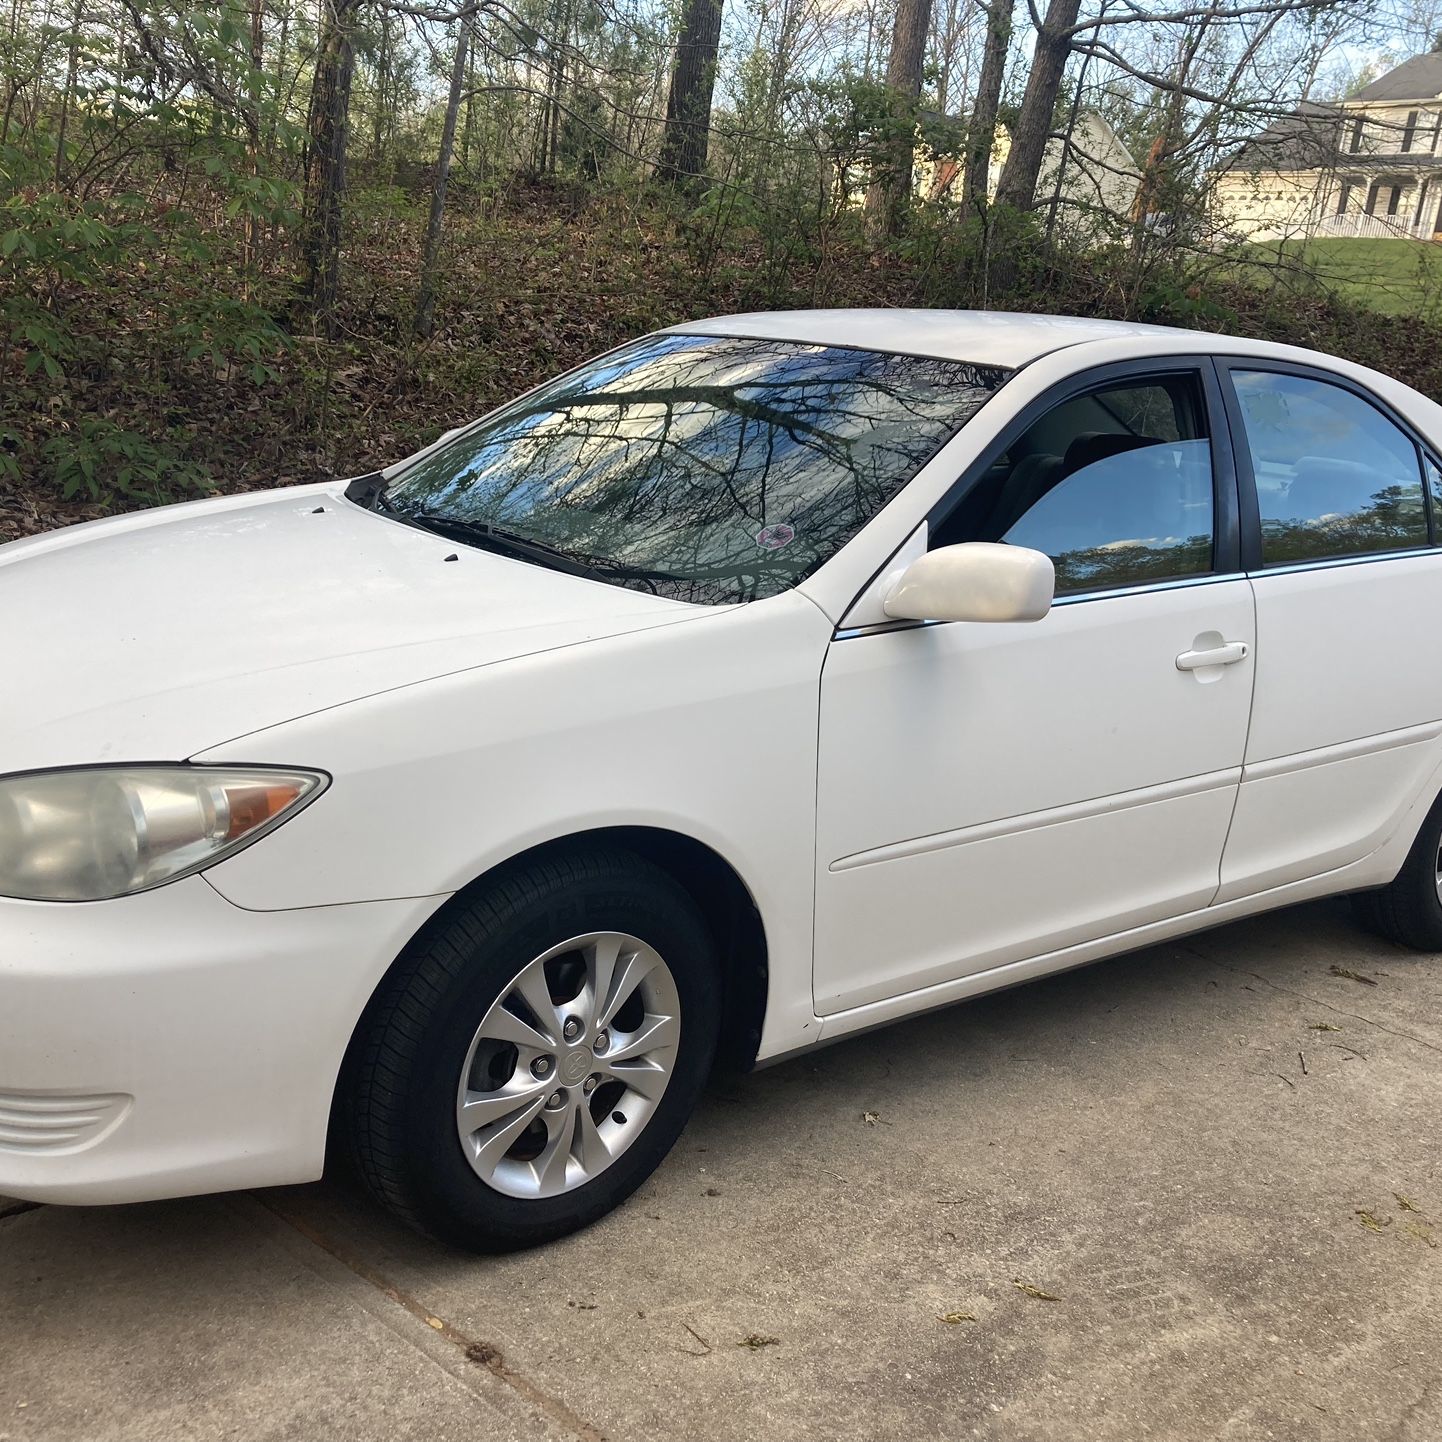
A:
(977, 581)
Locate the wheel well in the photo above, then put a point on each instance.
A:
(710, 881)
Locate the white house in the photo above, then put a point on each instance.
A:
(1367, 165)
(1088, 174)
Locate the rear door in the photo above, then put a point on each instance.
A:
(1337, 532)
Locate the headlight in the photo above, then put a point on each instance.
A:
(94, 833)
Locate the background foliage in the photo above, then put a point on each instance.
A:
(218, 223)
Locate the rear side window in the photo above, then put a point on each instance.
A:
(1334, 476)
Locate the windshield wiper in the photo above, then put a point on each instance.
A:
(509, 542)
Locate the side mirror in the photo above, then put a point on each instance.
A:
(978, 581)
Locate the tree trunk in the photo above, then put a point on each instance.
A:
(468, 130)
(279, 99)
(684, 143)
(1038, 107)
(430, 256)
(253, 83)
(383, 73)
(325, 158)
(889, 193)
(981, 129)
(72, 41)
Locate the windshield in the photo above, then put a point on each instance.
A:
(702, 468)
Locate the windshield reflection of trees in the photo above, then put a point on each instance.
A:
(677, 453)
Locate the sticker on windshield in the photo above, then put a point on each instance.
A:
(772, 538)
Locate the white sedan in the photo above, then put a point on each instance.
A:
(764, 680)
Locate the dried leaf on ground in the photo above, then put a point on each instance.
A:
(1405, 1203)
(952, 1318)
(1322, 1026)
(756, 1341)
(1032, 1291)
(1371, 1220)
(1351, 975)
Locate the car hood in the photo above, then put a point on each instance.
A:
(153, 636)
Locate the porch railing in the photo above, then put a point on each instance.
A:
(1386, 227)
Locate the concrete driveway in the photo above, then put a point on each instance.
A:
(1193, 1193)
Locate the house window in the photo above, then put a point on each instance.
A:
(1372, 197)
(1409, 131)
(1343, 196)
(1395, 201)
(1356, 144)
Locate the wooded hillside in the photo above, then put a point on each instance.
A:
(264, 241)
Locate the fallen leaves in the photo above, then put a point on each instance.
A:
(757, 1340)
(1031, 1291)
(952, 1318)
(1351, 975)
(1322, 1026)
(1415, 1226)
(1422, 1232)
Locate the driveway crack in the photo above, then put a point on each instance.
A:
(478, 1352)
(1317, 1001)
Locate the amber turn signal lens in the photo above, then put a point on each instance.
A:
(252, 806)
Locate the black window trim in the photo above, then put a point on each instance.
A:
(1251, 511)
(1226, 528)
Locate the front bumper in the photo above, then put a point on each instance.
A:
(171, 1043)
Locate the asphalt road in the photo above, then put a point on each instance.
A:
(1192, 1193)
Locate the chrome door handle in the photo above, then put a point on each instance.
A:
(1227, 655)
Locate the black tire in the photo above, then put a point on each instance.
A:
(1409, 911)
(415, 1037)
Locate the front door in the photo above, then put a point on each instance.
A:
(990, 793)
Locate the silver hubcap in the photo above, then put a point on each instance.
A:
(568, 1065)
(1439, 873)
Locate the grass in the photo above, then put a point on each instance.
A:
(1396, 277)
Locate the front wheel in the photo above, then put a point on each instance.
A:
(537, 1052)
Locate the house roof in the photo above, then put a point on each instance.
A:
(1307, 139)
(1419, 78)
(980, 337)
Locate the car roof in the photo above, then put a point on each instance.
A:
(982, 337)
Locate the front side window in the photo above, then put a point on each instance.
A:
(1334, 476)
(704, 468)
(1115, 486)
